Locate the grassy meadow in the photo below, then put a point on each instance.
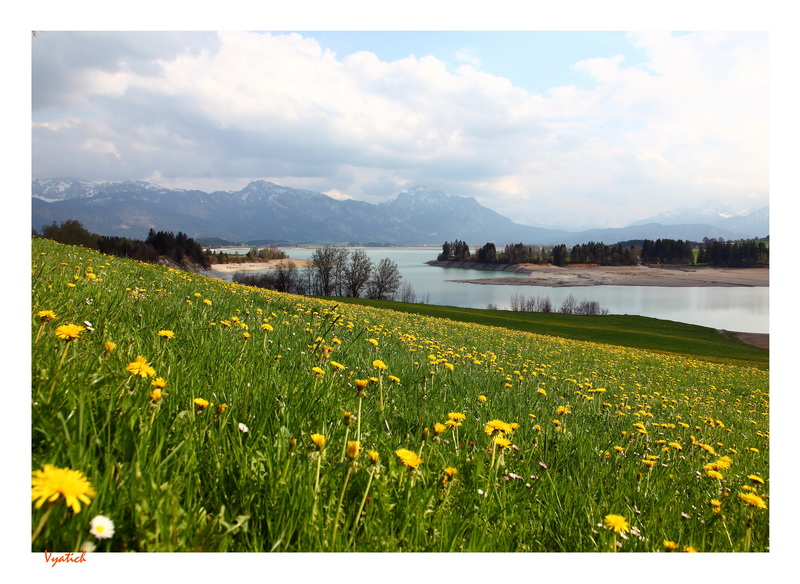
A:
(173, 412)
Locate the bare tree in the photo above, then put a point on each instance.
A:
(357, 271)
(568, 305)
(328, 264)
(406, 293)
(284, 277)
(385, 280)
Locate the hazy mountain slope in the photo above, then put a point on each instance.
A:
(263, 211)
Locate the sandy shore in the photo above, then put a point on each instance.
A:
(231, 268)
(555, 276)
(760, 340)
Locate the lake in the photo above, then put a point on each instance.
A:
(743, 309)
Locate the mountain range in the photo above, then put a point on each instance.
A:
(264, 212)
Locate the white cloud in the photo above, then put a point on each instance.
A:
(690, 122)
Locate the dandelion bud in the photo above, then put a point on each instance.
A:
(353, 449)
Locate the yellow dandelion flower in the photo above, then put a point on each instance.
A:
(318, 371)
(756, 479)
(361, 383)
(394, 379)
(45, 315)
(502, 442)
(450, 471)
(140, 367)
(716, 505)
(109, 346)
(156, 394)
(616, 523)
(494, 427)
(52, 484)
(439, 428)
(481, 398)
(373, 342)
(159, 382)
(337, 366)
(69, 332)
(753, 500)
(318, 440)
(458, 417)
(689, 549)
(267, 327)
(714, 474)
(353, 449)
(202, 403)
(670, 546)
(166, 334)
(373, 456)
(724, 462)
(541, 391)
(408, 457)
(378, 364)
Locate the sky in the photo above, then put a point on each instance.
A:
(563, 129)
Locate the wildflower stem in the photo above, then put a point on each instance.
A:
(339, 506)
(316, 487)
(55, 375)
(39, 332)
(42, 521)
(344, 446)
(361, 507)
(358, 420)
(748, 536)
(725, 525)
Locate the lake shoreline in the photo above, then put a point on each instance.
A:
(265, 265)
(592, 275)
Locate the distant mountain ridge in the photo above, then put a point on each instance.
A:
(264, 211)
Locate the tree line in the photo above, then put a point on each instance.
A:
(253, 255)
(710, 252)
(335, 271)
(559, 255)
(179, 248)
(743, 253)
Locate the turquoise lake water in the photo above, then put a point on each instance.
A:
(743, 309)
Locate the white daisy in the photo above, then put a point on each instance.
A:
(101, 527)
